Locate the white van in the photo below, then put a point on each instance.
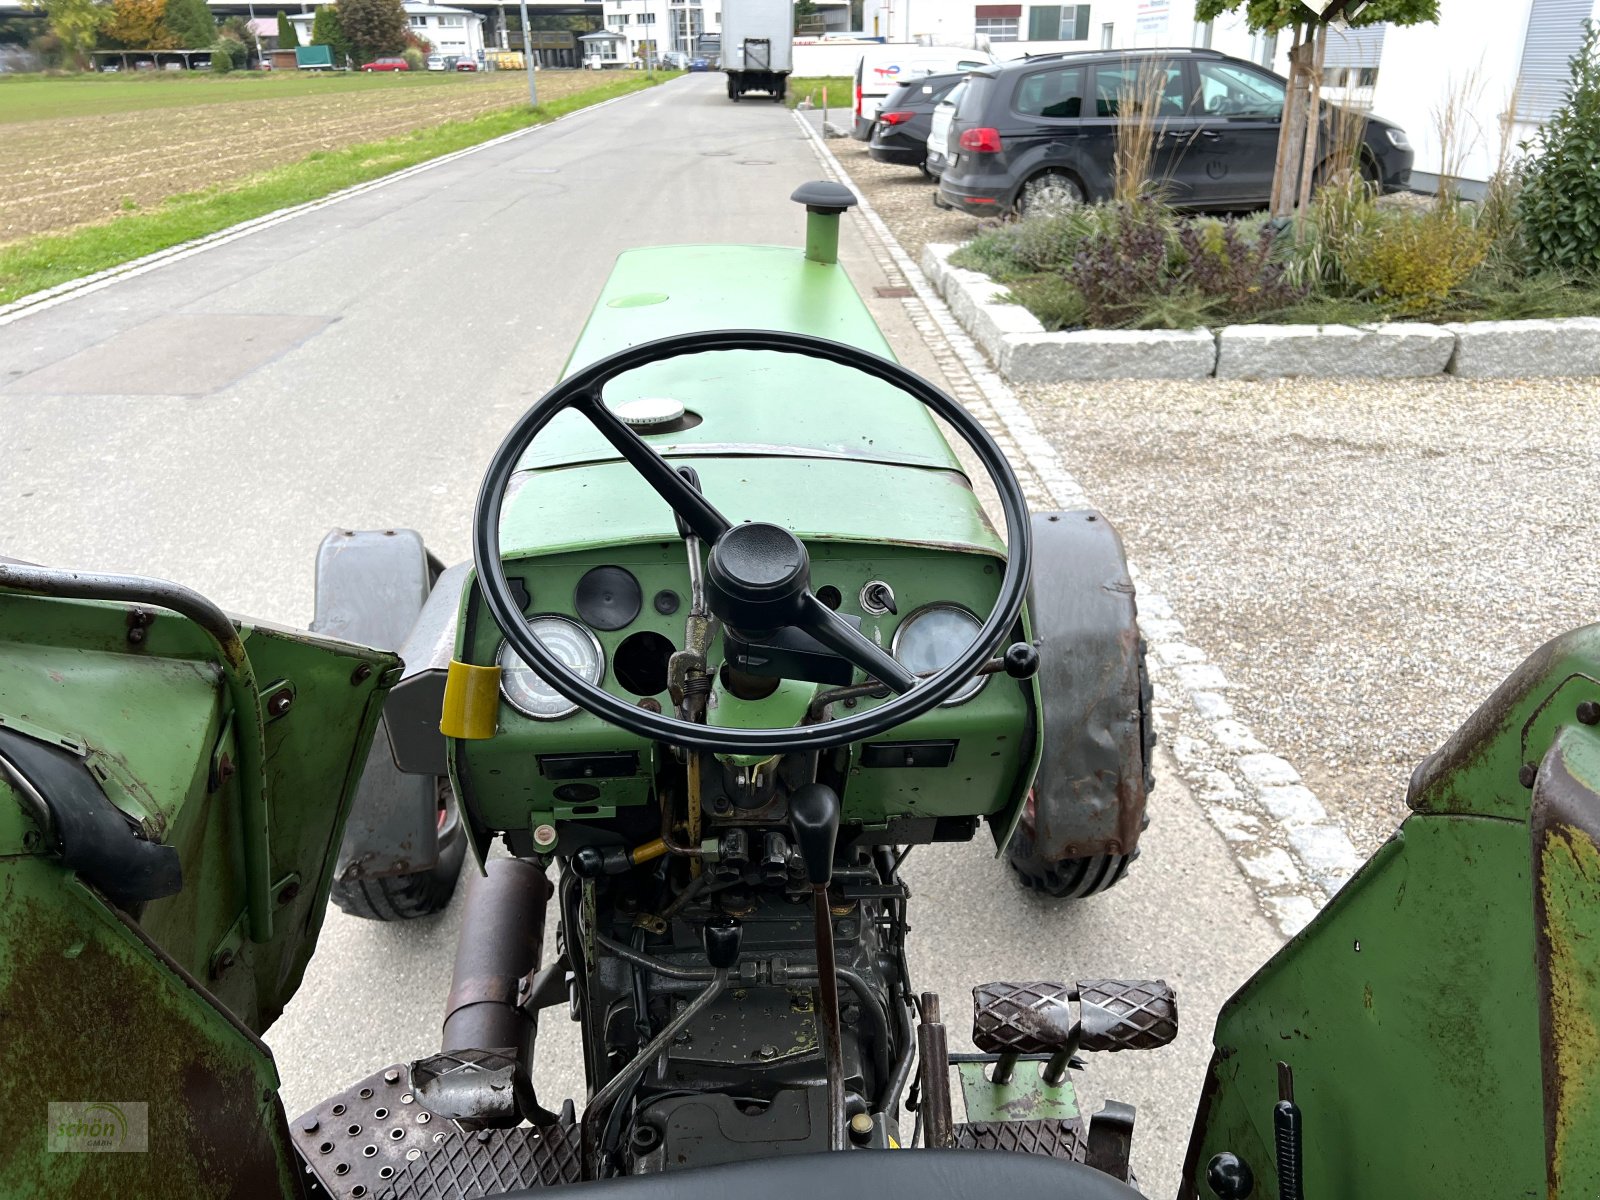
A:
(882, 67)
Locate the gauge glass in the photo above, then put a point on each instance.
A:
(932, 638)
(575, 647)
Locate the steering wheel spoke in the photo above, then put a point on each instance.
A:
(845, 640)
(698, 513)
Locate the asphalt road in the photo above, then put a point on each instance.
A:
(210, 420)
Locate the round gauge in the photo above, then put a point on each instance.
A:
(577, 649)
(932, 638)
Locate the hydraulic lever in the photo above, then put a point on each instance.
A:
(814, 818)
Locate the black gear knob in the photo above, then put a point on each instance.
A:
(814, 818)
(1022, 660)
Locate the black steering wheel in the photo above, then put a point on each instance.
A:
(758, 576)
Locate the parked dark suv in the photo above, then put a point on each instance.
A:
(900, 131)
(1038, 132)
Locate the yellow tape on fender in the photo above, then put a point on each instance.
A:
(471, 701)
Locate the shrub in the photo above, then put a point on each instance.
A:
(1559, 201)
(1056, 303)
(327, 31)
(221, 58)
(415, 59)
(1124, 263)
(1233, 265)
(1416, 263)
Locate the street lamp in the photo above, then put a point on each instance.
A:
(527, 56)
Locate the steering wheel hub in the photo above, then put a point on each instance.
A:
(757, 576)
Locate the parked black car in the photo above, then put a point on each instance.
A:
(1042, 131)
(900, 131)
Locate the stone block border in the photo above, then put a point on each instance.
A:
(1017, 344)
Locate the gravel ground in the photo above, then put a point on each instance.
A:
(903, 197)
(1367, 559)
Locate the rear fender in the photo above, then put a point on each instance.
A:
(1089, 795)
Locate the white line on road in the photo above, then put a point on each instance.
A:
(62, 292)
(1293, 853)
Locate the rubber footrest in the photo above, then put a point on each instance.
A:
(1051, 1139)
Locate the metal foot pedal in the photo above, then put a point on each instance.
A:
(375, 1141)
(1037, 1017)
(1063, 1139)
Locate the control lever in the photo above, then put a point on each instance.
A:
(814, 819)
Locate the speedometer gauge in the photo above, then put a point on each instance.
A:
(525, 689)
(932, 638)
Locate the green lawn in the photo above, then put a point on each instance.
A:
(39, 97)
(841, 91)
(41, 262)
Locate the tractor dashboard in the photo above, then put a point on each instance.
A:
(616, 614)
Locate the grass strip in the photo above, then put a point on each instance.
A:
(35, 264)
(841, 90)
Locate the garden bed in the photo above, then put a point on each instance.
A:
(1024, 351)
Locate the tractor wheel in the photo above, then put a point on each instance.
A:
(1078, 878)
(419, 894)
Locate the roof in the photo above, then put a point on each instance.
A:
(603, 36)
(424, 10)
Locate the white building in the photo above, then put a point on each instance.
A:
(450, 31)
(656, 26)
(1506, 60)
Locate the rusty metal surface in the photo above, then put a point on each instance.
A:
(375, 1141)
(1565, 837)
(91, 1010)
(1090, 794)
(1052, 1139)
(1127, 1014)
(1025, 1018)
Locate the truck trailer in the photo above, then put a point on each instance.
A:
(758, 46)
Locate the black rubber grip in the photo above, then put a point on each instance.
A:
(1127, 1014)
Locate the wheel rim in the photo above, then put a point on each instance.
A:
(1050, 195)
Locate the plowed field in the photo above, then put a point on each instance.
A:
(56, 173)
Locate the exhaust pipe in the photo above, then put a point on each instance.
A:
(483, 1075)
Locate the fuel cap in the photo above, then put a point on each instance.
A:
(649, 412)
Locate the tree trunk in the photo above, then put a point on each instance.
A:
(1291, 130)
(1313, 140)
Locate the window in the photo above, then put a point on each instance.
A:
(645, 19)
(1058, 23)
(1126, 86)
(622, 18)
(1333, 77)
(1228, 91)
(1108, 36)
(452, 22)
(999, 29)
(1054, 93)
(1202, 34)
(1366, 76)
(417, 22)
(1266, 48)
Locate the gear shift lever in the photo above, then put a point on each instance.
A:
(814, 818)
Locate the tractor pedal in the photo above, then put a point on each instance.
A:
(1037, 1017)
(1063, 1139)
(1127, 1014)
(1021, 1018)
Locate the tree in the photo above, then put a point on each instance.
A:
(287, 39)
(327, 31)
(373, 27)
(191, 23)
(76, 24)
(140, 25)
(1302, 112)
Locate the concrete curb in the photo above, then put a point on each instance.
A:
(1294, 854)
(1023, 352)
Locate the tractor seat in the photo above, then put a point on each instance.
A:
(865, 1175)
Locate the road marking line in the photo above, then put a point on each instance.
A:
(1293, 854)
(72, 288)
